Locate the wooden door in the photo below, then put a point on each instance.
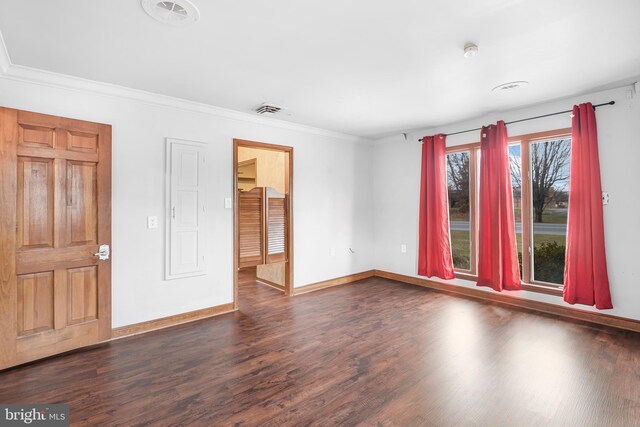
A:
(55, 212)
(275, 226)
(251, 228)
(262, 223)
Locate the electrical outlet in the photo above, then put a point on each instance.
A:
(333, 251)
(152, 222)
(403, 248)
(605, 198)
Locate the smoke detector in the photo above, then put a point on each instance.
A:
(268, 109)
(470, 50)
(175, 12)
(508, 87)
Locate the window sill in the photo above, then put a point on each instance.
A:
(541, 289)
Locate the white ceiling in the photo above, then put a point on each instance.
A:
(360, 67)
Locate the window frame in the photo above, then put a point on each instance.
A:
(525, 142)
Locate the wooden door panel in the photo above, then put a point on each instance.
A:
(35, 136)
(82, 203)
(35, 203)
(55, 211)
(83, 142)
(82, 288)
(35, 303)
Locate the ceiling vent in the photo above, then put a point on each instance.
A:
(507, 87)
(268, 109)
(176, 12)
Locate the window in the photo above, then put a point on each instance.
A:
(458, 186)
(539, 165)
(549, 176)
(515, 165)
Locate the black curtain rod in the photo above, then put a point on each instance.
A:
(528, 118)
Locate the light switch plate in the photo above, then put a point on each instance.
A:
(227, 203)
(152, 222)
(403, 249)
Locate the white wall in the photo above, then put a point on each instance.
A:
(346, 192)
(332, 191)
(396, 166)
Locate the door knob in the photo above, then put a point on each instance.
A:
(103, 253)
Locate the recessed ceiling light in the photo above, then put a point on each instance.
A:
(174, 12)
(506, 87)
(470, 50)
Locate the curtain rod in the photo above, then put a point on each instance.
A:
(528, 118)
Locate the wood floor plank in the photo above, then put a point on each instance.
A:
(376, 352)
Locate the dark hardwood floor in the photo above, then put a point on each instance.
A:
(374, 353)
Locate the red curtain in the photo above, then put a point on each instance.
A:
(585, 275)
(434, 246)
(497, 252)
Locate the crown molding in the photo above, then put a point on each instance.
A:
(5, 60)
(78, 84)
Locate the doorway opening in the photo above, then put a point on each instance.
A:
(263, 218)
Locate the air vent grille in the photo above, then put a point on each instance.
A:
(268, 109)
(175, 12)
(173, 8)
(505, 87)
(510, 86)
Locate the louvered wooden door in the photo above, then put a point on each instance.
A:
(262, 222)
(275, 226)
(55, 212)
(251, 228)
